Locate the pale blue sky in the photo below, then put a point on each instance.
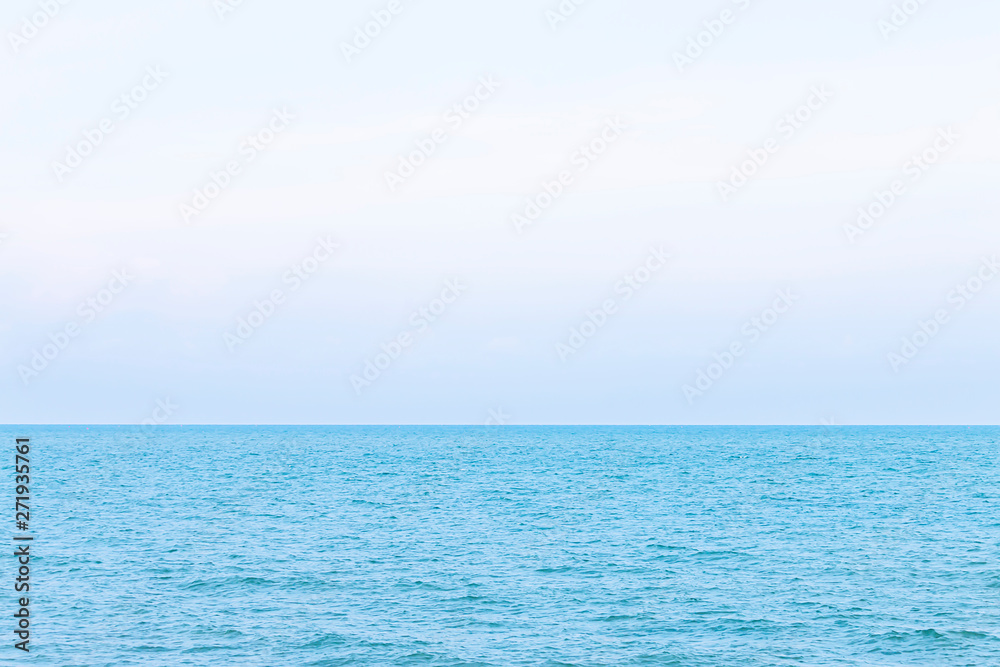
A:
(495, 348)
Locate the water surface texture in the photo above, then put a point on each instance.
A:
(512, 546)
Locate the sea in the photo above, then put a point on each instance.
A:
(556, 546)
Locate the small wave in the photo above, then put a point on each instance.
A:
(325, 640)
(719, 555)
(665, 547)
(240, 582)
(614, 618)
(898, 636)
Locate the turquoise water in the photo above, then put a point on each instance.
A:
(512, 546)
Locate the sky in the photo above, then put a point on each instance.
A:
(528, 212)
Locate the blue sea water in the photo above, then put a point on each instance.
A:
(511, 546)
